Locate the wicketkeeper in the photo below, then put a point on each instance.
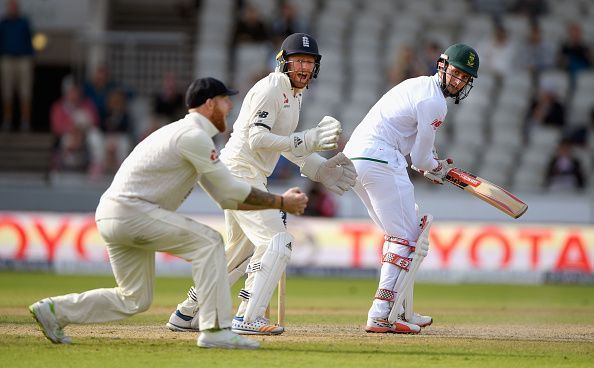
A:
(136, 218)
(404, 121)
(258, 243)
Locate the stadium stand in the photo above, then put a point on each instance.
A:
(25, 157)
(359, 40)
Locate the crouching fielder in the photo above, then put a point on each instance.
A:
(404, 121)
(136, 218)
(258, 242)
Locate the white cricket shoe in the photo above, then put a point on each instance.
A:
(225, 339)
(45, 315)
(382, 325)
(179, 322)
(261, 326)
(419, 320)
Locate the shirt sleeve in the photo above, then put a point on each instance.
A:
(261, 139)
(265, 105)
(198, 148)
(430, 115)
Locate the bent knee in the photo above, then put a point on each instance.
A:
(136, 302)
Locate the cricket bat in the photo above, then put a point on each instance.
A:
(488, 192)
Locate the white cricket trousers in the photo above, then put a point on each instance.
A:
(248, 235)
(131, 243)
(388, 194)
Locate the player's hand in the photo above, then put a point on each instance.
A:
(324, 137)
(294, 201)
(338, 174)
(438, 174)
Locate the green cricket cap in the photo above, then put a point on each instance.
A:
(463, 57)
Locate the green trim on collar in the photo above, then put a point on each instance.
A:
(370, 159)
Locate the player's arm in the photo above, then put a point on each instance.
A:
(226, 190)
(323, 137)
(421, 155)
(292, 201)
(233, 194)
(266, 104)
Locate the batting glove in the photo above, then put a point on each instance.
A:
(438, 174)
(338, 174)
(324, 137)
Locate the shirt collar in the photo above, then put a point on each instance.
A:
(203, 123)
(436, 79)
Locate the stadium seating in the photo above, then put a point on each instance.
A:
(359, 41)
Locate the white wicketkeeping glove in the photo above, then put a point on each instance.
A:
(338, 174)
(438, 174)
(324, 137)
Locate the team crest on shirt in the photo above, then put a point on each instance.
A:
(214, 156)
(286, 101)
(436, 123)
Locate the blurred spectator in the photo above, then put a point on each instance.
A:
(495, 8)
(537, 54)
(582, 134)
(321, 203)
(74, 121)
(284, 170)
(564, 170)
(497, 52)
(16, 64)
(286, 23)
(532, 9)
(575, 55)
(250, 27)
(116, 129)
(545, 108)
(98, 89)
(168, 103)
(251, 45)
(406, 65)
(431, 52)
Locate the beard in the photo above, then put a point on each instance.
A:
(219, 119)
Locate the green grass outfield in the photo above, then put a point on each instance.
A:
(475, 326)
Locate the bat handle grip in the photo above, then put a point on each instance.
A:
(416, 169)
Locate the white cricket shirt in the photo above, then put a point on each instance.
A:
(163, 169)
(404, 121)
(271, 104)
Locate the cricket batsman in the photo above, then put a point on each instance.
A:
(258, 243)
(404, 122)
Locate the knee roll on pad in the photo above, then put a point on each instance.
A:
(406, 279)
(267, 274)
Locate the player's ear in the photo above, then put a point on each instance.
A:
(210, 104)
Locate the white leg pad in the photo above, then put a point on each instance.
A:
(273, 264)
(405, 279)
(189, 307)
